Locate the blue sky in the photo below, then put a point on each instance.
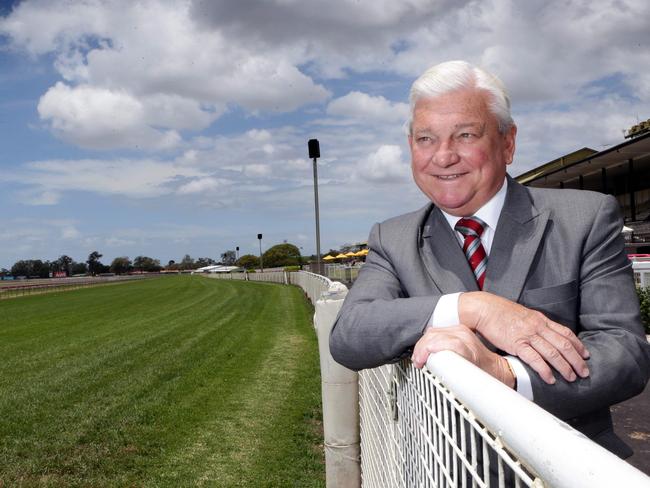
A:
(165, 128)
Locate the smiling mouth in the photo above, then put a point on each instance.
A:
(448, 177)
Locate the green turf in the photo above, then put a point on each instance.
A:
(178, 381)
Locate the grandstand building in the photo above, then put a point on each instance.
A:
(622, 170)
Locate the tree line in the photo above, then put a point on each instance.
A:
(279, 255)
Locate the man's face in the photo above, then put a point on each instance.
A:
(458, 156)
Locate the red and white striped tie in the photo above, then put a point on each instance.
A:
(472, 228)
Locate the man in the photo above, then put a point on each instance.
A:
(547, 280)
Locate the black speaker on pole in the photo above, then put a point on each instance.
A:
(314, 148)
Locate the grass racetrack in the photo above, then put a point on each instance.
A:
(178, 381)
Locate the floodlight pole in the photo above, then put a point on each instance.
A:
(259, 237)
(314, 153)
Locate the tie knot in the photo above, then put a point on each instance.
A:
(470, 226)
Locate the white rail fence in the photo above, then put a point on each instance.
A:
(447, 425)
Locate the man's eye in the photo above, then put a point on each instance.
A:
(466, 135)
(424, 139)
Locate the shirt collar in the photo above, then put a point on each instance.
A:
(488, 213)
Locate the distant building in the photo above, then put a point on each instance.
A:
(622, 170)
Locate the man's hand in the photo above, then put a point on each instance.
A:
(526, 333)
(464, 342)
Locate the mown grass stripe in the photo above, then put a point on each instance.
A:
(181, 381)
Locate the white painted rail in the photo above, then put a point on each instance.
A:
(447, 425)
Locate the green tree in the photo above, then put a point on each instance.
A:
(187, 262)
(145, 263)
(202, 262)
(64, 263)
(20, 268)
(121, 265)
(282, 255)
(41, 268)
(79, 268)
(94, 265)
(31, 268)
(228, 258)
(644, 302)
(248, 261)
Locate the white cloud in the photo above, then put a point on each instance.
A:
(367, 109)
(35, 238)
(38, 197)
(191, 100)
(99, 118)
(201, 185)
(70, 232)
(298, 164)
(117, 242)
(256, 135)
(386, 165)
(131, 178)
(551, 132)
(257, 170)
(521, 42)
(359, 34)
(124, 85)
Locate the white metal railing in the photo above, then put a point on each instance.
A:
(271, 276)
(314, 285)
(447, 425)
(641, 268)
(451, 424)
(342, 272)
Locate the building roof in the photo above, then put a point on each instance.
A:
(586, 161)
(218, 268)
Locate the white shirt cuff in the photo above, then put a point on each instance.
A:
(446, 312)
(524, 388)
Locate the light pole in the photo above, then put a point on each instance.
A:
(314, 153)
(237, 253)
(259, 237)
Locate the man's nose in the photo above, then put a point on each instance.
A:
(445, 155)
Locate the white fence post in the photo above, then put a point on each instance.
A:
(340, 390)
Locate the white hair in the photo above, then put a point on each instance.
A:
(454, 75)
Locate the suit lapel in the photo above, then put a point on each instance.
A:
(443, 256)
(517, 238)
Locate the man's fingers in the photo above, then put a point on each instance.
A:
(565, 344)
(443, 339)
(423, 348)
(570, 336)
(554, 356)
(535, 361)
(417, 357)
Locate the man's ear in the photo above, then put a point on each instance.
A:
(509, 146)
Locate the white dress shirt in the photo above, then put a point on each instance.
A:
(446, 312)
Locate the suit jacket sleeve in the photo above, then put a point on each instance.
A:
(607, 322)
(378, 323)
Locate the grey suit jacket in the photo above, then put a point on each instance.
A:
(556, 251)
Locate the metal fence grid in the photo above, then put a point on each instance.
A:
(416, 433)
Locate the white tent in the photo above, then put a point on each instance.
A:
(217, 268)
